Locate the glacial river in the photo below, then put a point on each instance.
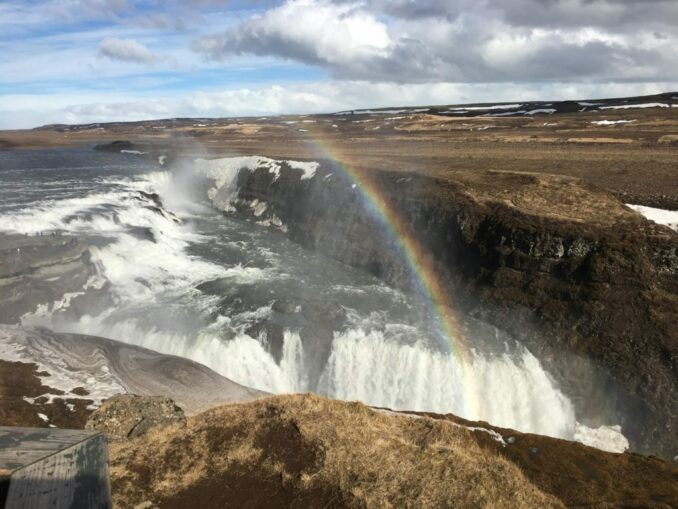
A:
(183, 278)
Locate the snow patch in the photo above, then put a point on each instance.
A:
(485, 108)
(611, 122)
(660, 216)
(224, 173)
(494, 434)
(548, 111)
(506, 114)
(632, 106)
(605, 438)
(389, 112)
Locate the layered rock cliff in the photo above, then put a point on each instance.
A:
(587, 284)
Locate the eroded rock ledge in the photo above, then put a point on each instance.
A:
(587, 284)
(51, 379)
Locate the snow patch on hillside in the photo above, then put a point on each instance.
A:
(632, 106)
(660, 216)
(224, 173)
(611, 122)
(605, 438)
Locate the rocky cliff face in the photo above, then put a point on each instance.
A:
(588, 285)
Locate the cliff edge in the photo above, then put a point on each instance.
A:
(589, 285)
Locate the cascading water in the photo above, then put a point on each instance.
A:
(183, 279)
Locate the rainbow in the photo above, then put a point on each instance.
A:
(420, 265)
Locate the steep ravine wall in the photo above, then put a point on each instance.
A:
(588, 286)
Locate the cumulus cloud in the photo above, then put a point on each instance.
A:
(355, 54)
(464, 40)
(305, 30)
(126, 50)
(536, 13)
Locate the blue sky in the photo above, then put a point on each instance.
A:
(78, 61)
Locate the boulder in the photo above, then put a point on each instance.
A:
(128, 415)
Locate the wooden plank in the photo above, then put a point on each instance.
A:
(43, 468)
(72, 478)
(22, 446)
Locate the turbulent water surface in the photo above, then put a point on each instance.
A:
(179, 277)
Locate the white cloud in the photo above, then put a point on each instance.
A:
(377, 53)
(126, 50)
(308, 30)
(458, 40)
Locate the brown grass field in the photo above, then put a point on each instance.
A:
(307, 451)
(637, 161)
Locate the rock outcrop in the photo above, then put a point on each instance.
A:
(117, 146)
(588, 285)
(129, 415)
(47, 378)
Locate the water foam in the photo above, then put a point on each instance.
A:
(224, 172)
(514, 391)
(366, 366)
(374, 366)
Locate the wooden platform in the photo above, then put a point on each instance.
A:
(53, 468)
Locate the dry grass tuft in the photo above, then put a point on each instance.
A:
(308, 451)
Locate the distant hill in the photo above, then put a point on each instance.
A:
(498, 109)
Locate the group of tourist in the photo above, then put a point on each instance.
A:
(55, 233)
